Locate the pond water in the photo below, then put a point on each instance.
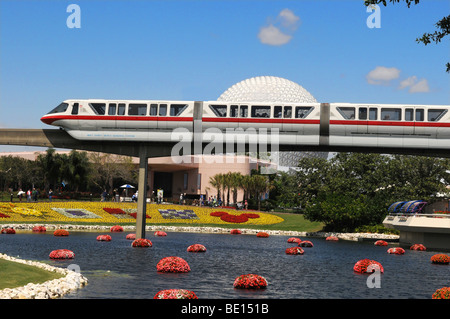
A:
(117, 270)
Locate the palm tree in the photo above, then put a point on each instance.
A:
(216, 181)
(260, 185)
(236, 183)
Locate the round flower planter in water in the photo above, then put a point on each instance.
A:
(262, 234)
(294, 240)
(141, 242)
(306, 243)
(440, 259)
(196, 248)
(116, 228)
(365, 266)
(8, 231)
(175, 294)
(61, 232)
(235, 232)
(173, 264)
(160, 233)
(131, 236)
(62, 254)
(442, 293)
(294, 251)
(418, 247)
(380, 243)
(39, 229)
(104, 238)
(396, 251)
(250, 281)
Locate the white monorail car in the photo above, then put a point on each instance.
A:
(334, 124)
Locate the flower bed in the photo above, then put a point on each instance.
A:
(396, 251)
(39, 229)
(250, 281)
(367, 266)
(61, 232)
(62, 254)
(380, 243)
(262, 234)
(196, 248)
(440, 259)
(175, 294)
(160, 233)
(4, 216)
(235, 232)
(8, 230)
(231, 218)
(306, 243)
(141, 242)
(113, 211)
(116, 228)
(294, 251)
(173, 264)
(418, 247)
(442, 293)
(294, 240)
(104, 238)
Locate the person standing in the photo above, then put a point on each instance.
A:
(50, 195)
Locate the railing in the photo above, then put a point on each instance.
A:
(403, 216)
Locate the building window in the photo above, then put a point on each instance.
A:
(199, 181)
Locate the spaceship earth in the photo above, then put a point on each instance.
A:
(267, 89)
(273, 89)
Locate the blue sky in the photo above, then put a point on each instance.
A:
(195, 50)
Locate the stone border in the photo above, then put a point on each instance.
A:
(50, 289)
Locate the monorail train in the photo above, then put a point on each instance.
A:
(334, 124)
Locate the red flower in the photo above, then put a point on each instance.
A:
(235, 232)
(367, 266)
(172, 264)
(39, 229)
(440, 259)
(160, 233)
(250, 281)
(294, 251)
(175, 294)
(332, 238)
(262, 234)
(104, 238)
(4, 215)
(381, 243)
(196, 248)
(141, 242)
(60, 232)
(117, 228)
(8, 230)
(442, 293)
(418, 247)
(396, 251)
(218, 214)
(135, 214)
(294, 240)
(131, 236)
(62, 254)
(113, 210)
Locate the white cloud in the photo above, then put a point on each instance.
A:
(271, 35)
(279, 32)
(414, 86)
(382, 75)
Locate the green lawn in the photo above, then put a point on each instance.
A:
(13, 274)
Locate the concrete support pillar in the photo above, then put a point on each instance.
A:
(142, 195)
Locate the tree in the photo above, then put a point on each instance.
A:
(443, 25)
(50, 165)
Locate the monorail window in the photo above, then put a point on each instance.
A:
(287, 112)
(347, 113)
(420, 115)
(409, 114)
(153, 109)
(260, 111)
(219, 110)
(373, 114)
(388, 114)
(121, 109)
(162, 109)
(99, 108)
(435, 115)
(244, 111)
(362, 114)
(75, 108)
(277, 111)
(137, 109)
(302, 111)
(60, 108)
(112, 109)
(177, 109)
(234, 112)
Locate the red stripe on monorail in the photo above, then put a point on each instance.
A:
(259, 120)
(388, 123)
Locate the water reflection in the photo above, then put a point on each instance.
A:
(117, 270)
